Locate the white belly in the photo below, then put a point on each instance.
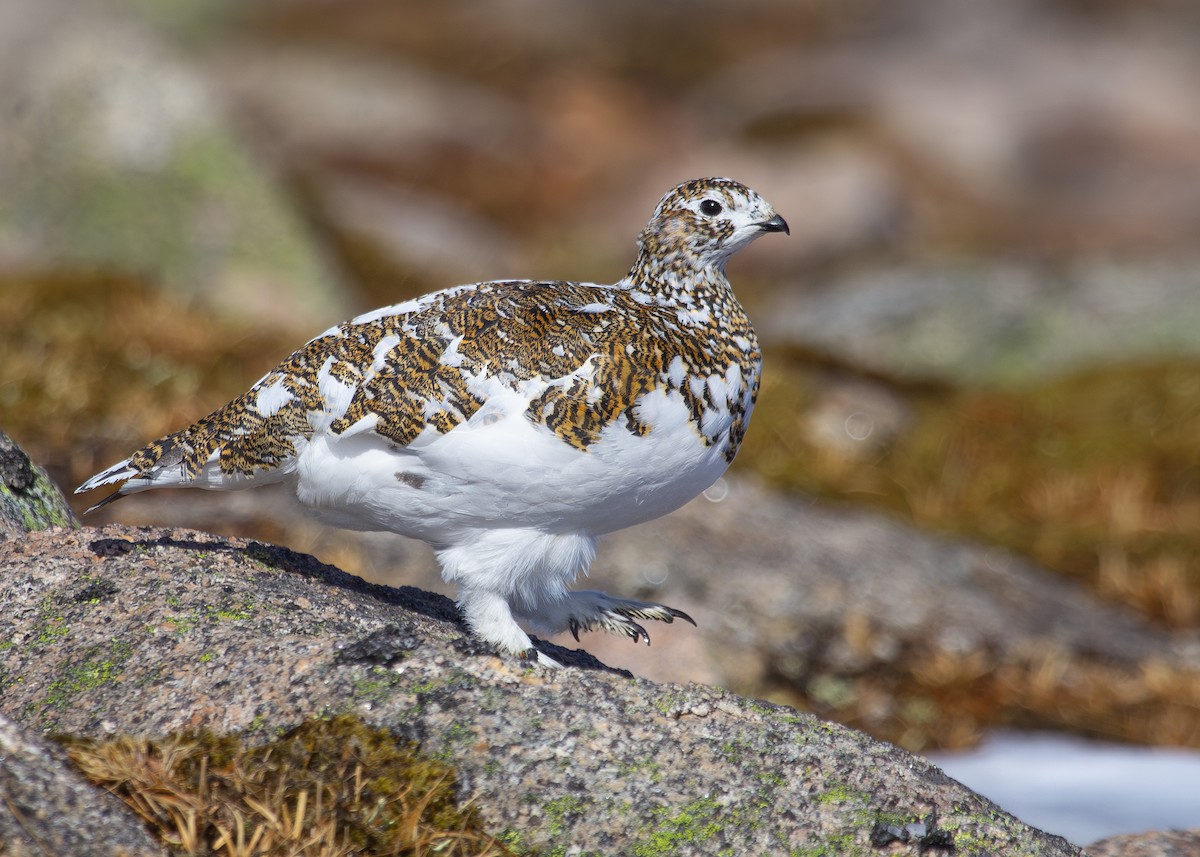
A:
(498, 470)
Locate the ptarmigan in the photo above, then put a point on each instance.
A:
(508, 424)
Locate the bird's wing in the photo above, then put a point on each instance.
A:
(258, 436)
(397, 371)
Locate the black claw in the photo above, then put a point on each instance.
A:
(636, 631)
(679, 614)
(574, 626)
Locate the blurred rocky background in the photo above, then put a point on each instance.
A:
(970, 493)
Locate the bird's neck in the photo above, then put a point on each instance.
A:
(677, 278)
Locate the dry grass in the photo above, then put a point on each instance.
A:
(326, 789)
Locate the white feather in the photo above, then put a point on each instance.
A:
(272, 397)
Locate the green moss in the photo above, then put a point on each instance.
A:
(41, 505)
(240, 611)
(453, 738)
(694, 823)
(52, 624)
(97, 666)
(232, 611)
(899, 819)
(733, 751)
(181, 624)
(514, 841)
(842, 794)
(558, 810)
(968, 843)
(52, 630)
(669, 703)
(427, 686)
(375, 685)
(771, 779)
(454, 678)
(260, 557)
(836, 845)
(645, 767)
(760, 707)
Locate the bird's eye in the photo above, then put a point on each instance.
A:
(710, 207)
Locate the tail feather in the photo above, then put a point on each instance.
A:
(123, 471)
(200, 457)
(118, 472)
(234, 446)
(116, 495)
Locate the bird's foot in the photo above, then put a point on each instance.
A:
(532, 656)
(492, 623)
(618, 615)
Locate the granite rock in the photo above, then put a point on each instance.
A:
(1163, 843)
(49, 809)
(28, 499)
(121, 630)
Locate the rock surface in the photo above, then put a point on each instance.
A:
(995, 322)
(49, 809)
(28, 499)
(149, 630)
(1165, 843)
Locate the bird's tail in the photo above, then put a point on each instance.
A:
(232, 447)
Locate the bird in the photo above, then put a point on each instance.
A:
(509, 424)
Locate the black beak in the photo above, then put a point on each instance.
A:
(775, 224)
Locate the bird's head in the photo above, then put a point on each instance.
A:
(704, 221)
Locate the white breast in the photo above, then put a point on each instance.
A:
(501, 470)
